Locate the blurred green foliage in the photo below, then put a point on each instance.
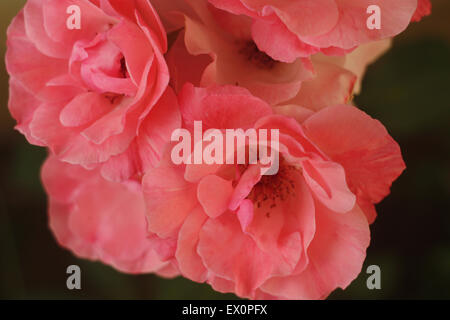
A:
(407, 90)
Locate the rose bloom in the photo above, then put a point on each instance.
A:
(216, 47)
(101, 220)
(298, 234)
(305, 27)
(96, 96)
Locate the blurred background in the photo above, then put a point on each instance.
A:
(408, 90)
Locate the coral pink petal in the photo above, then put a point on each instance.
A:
(234, 6)
(225, 107)
(220, 284)
(169, 198)
(86, 215)
(214, 194)
(33, 73)
(286, 228)
(135, 11)
(123, 166)
(46, 128)
(147, 148)
(195, 172)
(294, 111)
(304, 18)
(285, 46)
(245, 185)
(351, 29)
(134, 46)
(230, 254)
(157, 128)
(153, 21)
(76, 149)
(371, 158)
(84, 109)
(336, 257)
(165, 248)
(245, 214)
(189, 261)
(22, 104)
(93, 21)
(327, 181)
(109, 125)
(34, 22)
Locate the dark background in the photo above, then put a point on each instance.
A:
(408, 90)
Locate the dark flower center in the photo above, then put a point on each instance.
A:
(270, 191)
(260, 59)
(123, 68)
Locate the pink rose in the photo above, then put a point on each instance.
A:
(98, 95)
(288, 29)
(209, 53)
(101, 220)
(216, 48)
(299, 234)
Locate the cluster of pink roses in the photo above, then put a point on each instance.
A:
(106, 98)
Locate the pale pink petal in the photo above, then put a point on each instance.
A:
(338, 82)
(190, 263)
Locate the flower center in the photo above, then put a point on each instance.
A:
(123, 68)
(260, 59)
(103, 68)
(270, 191)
